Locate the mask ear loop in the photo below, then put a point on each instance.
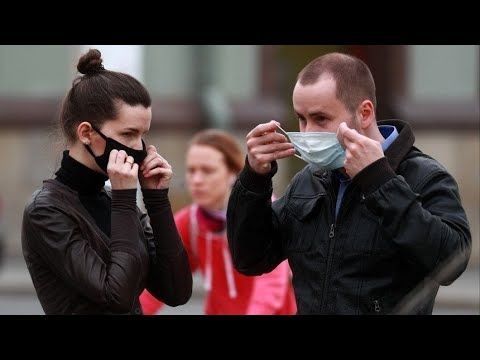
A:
(99, 132)
(288, 138)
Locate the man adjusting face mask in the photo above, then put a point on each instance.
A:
(321, 149)
(111, 144)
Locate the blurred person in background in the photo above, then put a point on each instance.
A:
(2, 235)
(89, 249)
(213, 160)
(369, 219)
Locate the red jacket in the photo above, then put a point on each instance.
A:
(227, 291)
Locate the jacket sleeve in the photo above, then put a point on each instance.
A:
(55, 236)
(270, 291)
(150, 304)
(427, 222)
(170, 278)
(252, 227)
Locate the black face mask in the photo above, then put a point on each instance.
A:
(111, 144)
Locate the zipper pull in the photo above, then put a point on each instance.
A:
(331, 234)
(377, 306)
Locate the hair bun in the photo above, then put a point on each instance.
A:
(91, 62)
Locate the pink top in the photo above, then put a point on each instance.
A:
(227, 291)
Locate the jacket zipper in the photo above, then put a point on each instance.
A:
(331, 236)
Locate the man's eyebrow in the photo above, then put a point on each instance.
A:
(319, 113)
(315, 114)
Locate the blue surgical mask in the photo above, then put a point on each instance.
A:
(321, 149)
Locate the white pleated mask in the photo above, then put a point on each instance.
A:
(321, 149)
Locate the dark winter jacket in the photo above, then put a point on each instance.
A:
(77, 269)
(401, 231)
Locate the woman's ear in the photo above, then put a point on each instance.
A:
(84, 132)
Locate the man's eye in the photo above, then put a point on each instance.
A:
(320, 119)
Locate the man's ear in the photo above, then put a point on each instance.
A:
(366, 114)
(84, 132)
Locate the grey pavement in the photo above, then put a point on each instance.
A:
(18, 295)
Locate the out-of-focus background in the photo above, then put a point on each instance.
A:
(433, 87)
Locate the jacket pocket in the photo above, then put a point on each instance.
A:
(304, 207)
(302, 222)
(367, 234)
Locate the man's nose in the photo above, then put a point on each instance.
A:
(310, 126)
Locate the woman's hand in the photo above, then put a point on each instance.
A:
(122, 171)
(155, 172)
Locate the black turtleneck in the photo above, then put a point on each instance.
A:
(89, 184)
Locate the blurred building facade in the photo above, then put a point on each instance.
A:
(434, 88)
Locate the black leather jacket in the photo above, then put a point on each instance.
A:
(77, 269)
(400, 223)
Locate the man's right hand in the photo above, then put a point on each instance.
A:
(264, 145)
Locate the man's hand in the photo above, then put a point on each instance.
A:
(264, 145)
(360, 151)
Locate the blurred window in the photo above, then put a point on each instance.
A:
(35, 70)
(169, 70)
(439, 72)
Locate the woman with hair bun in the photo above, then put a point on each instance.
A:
(89, 249)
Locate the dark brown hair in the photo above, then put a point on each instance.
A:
(224, 142)
(352, 76)
(95, 97)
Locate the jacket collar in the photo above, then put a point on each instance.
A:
(64, 189)
(402, 144)
(69, 198)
